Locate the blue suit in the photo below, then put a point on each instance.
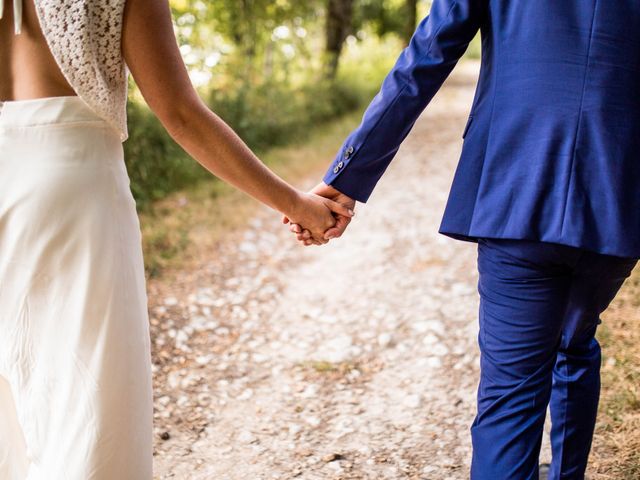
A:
(548, 184)
(552, 146)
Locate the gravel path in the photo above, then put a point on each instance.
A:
(353, 361)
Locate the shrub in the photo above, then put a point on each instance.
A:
(265, 115)
(157, 166)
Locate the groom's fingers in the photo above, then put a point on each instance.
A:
(339, 209)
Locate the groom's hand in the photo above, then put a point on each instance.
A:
(342, 222)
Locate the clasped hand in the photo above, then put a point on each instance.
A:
(325, 214)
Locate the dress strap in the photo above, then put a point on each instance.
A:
(17, 14)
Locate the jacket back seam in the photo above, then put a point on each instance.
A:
(574, 149)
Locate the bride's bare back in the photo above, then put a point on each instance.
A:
(27, 68)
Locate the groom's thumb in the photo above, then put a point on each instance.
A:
(340, 209)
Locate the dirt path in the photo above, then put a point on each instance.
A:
(354, 361)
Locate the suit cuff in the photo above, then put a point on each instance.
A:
(344, 179)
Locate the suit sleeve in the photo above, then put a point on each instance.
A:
(437, 45)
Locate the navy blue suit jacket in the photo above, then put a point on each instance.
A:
(552, 145)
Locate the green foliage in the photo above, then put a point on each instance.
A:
(271, 115)
(275, 112)
(475, 49)
(266, 116)
(259, 65)
(157, 165)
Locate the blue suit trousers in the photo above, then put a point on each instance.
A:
(540, 306)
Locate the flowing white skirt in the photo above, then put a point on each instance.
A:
(75, 363)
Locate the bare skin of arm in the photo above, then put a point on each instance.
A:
(153, 56)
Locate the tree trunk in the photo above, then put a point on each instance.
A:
(412, 20)
(339, 25)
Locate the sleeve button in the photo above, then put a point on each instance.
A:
(336, 170)
(341, 164)
(349, 152)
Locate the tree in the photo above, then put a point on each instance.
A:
(411, 8)
(339, 26)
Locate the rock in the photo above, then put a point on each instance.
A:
(336, 350)
(332, 457)
(304, 452)
(313, 421)
(246, 395)
(173, 380)
(439, 349)
(462, 289)
(354, 374)
(171, 301)
(385, 340)
(413, 401)
(259, 358)
(246, 437)
(428, 469)
(181, 338)
(433, 362)
(204, 359)
(204, 399)
(310, 391)
(430, 339)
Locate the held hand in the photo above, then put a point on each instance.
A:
(342, 221)
(318, 215)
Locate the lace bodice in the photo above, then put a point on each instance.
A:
(85, 38)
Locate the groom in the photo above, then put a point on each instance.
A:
(548, 185)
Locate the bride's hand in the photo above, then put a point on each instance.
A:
(316, 214)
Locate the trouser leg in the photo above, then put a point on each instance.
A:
(576, 376)
(524, 291)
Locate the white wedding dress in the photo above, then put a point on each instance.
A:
(75, 364)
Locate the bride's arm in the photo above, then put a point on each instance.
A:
(153, 57)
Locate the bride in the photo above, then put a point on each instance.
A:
(75, 364)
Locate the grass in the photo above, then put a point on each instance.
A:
(329, 367)
(616, 450)
(202, 214)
